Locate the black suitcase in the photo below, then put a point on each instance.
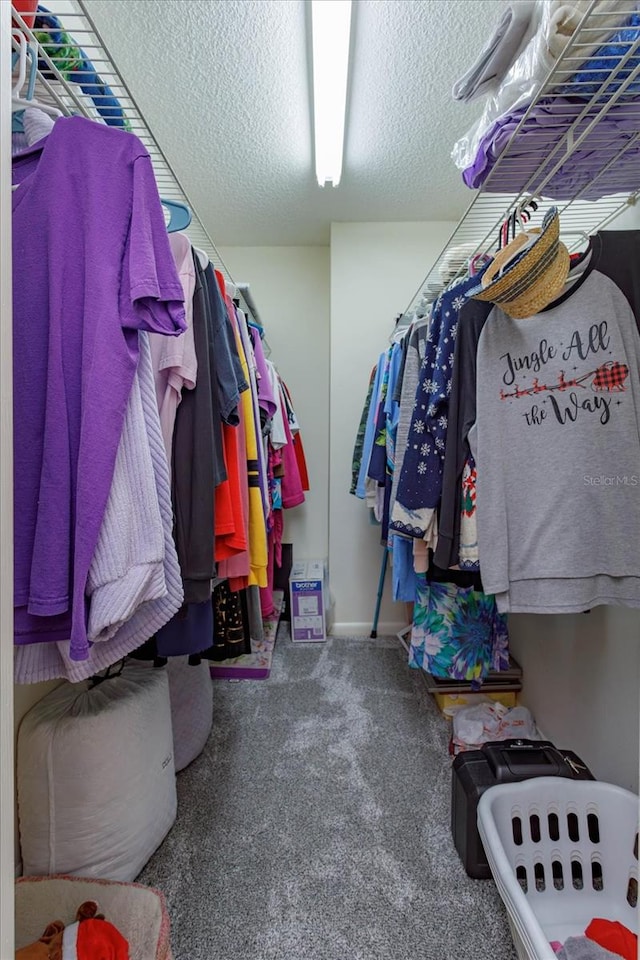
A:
(504, 761)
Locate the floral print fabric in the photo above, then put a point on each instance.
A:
(457, 632)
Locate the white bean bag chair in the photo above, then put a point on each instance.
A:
(96, 779)
(191, 693)
(139, 912)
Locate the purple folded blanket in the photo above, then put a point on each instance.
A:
(529, 153)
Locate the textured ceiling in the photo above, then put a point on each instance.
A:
(224, 86)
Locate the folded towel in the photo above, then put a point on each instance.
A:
(501, 50)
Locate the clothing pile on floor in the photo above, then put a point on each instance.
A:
(602, 940)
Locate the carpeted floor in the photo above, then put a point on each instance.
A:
(315, 825)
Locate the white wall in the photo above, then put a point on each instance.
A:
(582, 683)
(375, 270)
(290, 287)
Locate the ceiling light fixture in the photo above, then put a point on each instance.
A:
(331, 33)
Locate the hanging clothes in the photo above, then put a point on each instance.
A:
(257, 511)
(230, 529)
(230, 378)
(188, 633)
(298, 445)
(461, 417)
(139, 361)
(370, 428)
(420, 484)
(47, 661)
(404, 582)
(74, 367)
(127, 569)
(413, 353)
(198, 460)
(237, 566)
(457, 631)
(175, 363)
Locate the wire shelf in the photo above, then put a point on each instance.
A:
(55, 88)
(579, 112)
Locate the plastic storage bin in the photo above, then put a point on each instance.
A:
(561, 852)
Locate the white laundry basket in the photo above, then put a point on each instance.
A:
(561, 853)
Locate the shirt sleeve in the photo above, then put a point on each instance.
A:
(151, 295)
(225, 372)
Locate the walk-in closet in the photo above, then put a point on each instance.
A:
(319, 479)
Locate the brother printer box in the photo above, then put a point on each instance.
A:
(309, 589)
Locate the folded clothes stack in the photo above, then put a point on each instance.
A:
(530, 158)
(511, 72)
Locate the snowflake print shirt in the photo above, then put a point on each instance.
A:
(420, 483)
(557, 447)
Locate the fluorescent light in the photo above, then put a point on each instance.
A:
(331, 29)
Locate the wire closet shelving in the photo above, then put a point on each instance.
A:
(55, 89)
(596, 97)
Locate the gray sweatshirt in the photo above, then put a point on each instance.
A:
(557, 446)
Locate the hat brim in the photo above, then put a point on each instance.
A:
(544, 291)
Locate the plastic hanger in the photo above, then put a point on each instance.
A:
(202, 258)
(180, 215)
(255, 326)
(20, 57)
(520, 216)
(477, 262)
(577, 273)
(576, 233)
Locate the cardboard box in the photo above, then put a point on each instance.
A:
(508, 698)
(494, 682)
(502, 687)
(309, 591)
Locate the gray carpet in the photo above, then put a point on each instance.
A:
(315, 825)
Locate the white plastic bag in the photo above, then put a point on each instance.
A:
(484, 722)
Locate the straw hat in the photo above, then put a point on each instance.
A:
(534, 278)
